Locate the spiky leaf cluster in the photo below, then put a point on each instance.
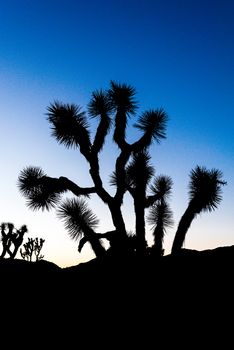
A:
(139, 171)
(160, 212)
(78, 218)
(69, 126)
(41, 192)
(162, 186)
(205, 188)
(122, 97)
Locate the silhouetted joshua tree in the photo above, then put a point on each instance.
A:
(32, 247)
(6, 238)
(160, 214)
(70, 127)
(17, 239)
(205, 194)
(139, 172)
(11, 237)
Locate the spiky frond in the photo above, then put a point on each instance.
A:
(43, 199)
(122, 97)
(29, 178)
(205, 188)
(99, 104)
(161, 214)
(69, 126)
(78, 218)
(162, 186)
(153, 124)
(41, 191)
(113, 179)
(139, 171)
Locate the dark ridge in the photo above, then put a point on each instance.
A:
(110, 267)
(125, 298)
(189, 278)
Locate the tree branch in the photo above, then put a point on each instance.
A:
(65, 184)
(94, 172)
(121, 173)
(150, 200)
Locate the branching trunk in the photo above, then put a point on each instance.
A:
(94, 172)
(96, 245)
(113, 203)
(117, 218)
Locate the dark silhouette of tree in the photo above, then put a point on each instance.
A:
(205, 194)
(79, 220)
(160, 214)
(70, 127)
(17, 239)
(138, 174)
(32, 248)
(11, 237)
(6, 238)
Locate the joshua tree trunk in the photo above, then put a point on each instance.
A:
(158, 240)
(95, 243)
(182, 229)
(140, 226)
(118, 220)
(114, 204)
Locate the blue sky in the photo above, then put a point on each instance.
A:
(177, 54)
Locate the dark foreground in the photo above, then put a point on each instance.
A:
(192, 292)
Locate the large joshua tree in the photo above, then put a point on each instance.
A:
(70, 127)
(205, 194)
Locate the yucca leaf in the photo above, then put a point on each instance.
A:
(205, 188)
(42, 192)
(153, 124)
(139, 171)
(99, 104)
(69, 126)
(78, 218)
(162, 186)
(29, 179)
(122, 97)
(160, 213)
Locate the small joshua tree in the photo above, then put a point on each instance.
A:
(11, 236)
(205, 194)
(160, 214)
(32, 246)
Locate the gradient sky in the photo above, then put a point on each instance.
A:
(178, 54)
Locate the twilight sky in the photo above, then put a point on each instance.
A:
(178, 54)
